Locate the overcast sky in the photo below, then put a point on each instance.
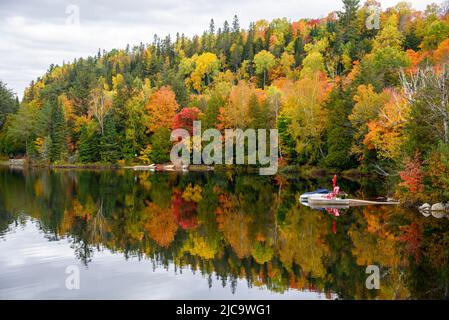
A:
(37, 33)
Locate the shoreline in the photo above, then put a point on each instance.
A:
(304, 171)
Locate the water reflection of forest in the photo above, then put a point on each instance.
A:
(236, 226)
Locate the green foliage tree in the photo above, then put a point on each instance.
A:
(20, 129)
(51, 126)
(8, 103)
(88, 150)
(339, 133)
(160, 146)
(263, 62)
(109, 148)
(135, 127)
(381, 67)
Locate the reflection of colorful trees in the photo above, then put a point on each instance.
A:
(234, 226)
(378, 242)
(184, 211)
(302, 241)
(160, 224)
(198, 245)
(375, 243)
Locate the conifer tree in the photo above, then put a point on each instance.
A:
(58, 134)
(89, 146)
(109, 148)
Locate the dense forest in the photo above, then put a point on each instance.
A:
(341, 94)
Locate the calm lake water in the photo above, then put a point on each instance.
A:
(142, 235)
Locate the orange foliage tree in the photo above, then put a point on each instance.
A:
(412, 176)
(162, 108)
(237, 113)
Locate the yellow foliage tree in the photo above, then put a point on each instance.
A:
(302, 102)
(236, 113)
(368, 103)
(206, 66)
(386, 132)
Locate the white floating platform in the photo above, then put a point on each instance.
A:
(322, 201)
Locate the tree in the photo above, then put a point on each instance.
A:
(162, 108)
(287, 145)
(58, 134)
(264, 61)
(89, 144)
(109, 148)
(348, 35)
(368, 103)
(160, 145)
(259, 113)
(412, 176)
(314, 61)
(428, 89)
(339, 133)
(218, 96)
(51, 124)
(184, 119)
(441, 55)
(381, 67)
(386, 132)
(135, 127)
(348, 14)
(437, 170)
(286, 62)
(100, 104)
(302, 102)
(236, 112)
(8, 103)
(435, 33)
(21, 127)
(206, 66)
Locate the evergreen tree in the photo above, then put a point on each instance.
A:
(8, 103)
(339, 133)
(109, 148)
(348, 36)
(287, 147)
(51, 125)
(58, 134)
(235, 26)
(89, 146)
(161, 146)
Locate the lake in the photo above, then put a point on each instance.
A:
(222, 235)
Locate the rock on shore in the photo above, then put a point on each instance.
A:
(437, 210)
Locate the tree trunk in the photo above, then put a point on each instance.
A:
(445, 126)
(263, 85)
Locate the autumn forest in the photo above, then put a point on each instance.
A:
(342, 95)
